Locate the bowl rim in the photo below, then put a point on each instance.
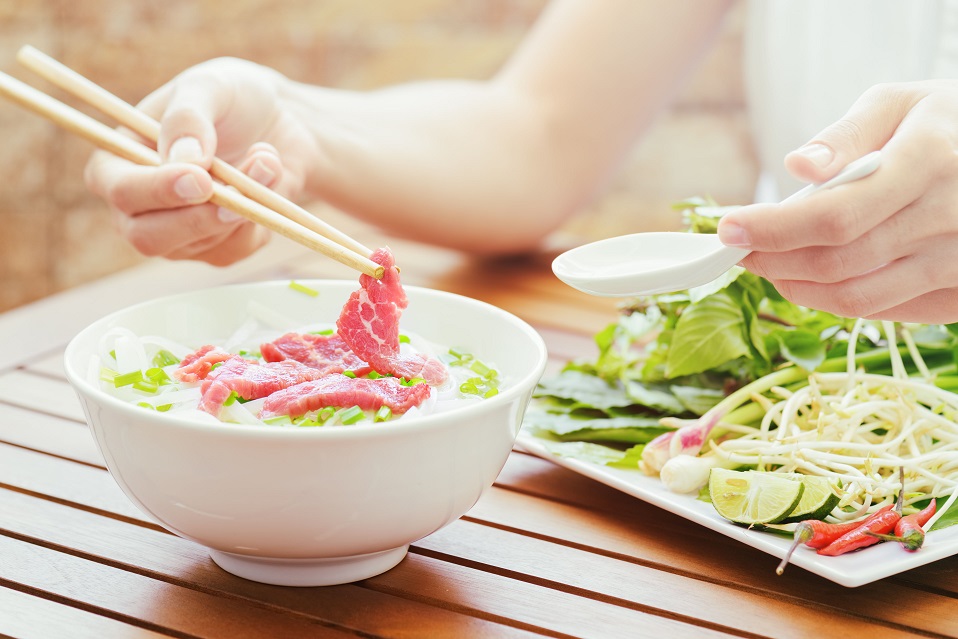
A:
(83, 386)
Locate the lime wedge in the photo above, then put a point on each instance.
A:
(750, 497)
(818, 499)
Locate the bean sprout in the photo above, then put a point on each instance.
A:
(858, 429)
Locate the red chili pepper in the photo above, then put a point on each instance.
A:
(819, 534)
(909, 530)
(861, 536)
(882, 522)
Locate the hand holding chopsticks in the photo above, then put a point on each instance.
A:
(253, 201)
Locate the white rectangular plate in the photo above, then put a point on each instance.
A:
(853, 569)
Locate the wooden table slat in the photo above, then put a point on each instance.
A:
(41, 394)
(46, 433)
(123, 544)
(158, 605)
(26, 616)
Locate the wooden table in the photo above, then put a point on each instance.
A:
(545, 552)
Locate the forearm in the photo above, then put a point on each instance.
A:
(494, 166)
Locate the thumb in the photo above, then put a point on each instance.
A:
(866, 127)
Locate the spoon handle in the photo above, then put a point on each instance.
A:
(855, 170)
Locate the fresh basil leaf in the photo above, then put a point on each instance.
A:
(804, 348)
(696, 399)
(655, 397)
(707, 335)
(584, 390)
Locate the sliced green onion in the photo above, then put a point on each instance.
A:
(113, 354)
(296, 286)
(164, 407)
(462, 356)
(107, 374)
(479, 368)
(231, 399)
(327, 331)
(279, 420)
(326, 412)
(215, 366)
(468, 388)
(127, 378)
(351, 415)
(145, 405)
(349, 374)
(412, 381)
(158, 376)
(403, 339)
(146, 386)
(255, 354)
(165, 358)
(492, 392)
(373, 375)
(384, 414)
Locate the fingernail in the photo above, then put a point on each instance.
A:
(817, 154)
(732, 234)
(186, 149)
(227, 215)
(188, 188)
(261, 173)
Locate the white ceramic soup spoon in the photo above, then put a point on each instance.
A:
(650, 263)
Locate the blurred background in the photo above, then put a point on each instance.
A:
(54, 235)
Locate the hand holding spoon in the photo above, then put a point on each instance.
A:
(650, 263)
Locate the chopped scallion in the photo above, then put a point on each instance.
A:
(164, 407)
(146, 386)
(127, 378)
(462, 356)
(107, 374)
(215, 366)
(325, 413)
(351, 415)
(279, 420)
(373, 375)
(231, 399)
(384, 414)
(296, 286)
(165, 358)
(492, 392)
(349, 374)
(158, 376)
(479, 368)
(327, 331)
(403, 339)
(145, 405)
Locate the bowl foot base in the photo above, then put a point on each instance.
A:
(308, 572)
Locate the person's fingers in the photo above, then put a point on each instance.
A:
(866, 127)
(163, 232)
(890, 286)
(188, 109)
(828, 218)
(908, 231)
(225, 249)
(132, 189)
(935, 307)
(263, 164)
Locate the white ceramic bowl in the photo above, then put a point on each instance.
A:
(310, 506)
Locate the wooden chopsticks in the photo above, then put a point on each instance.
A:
(253, 201)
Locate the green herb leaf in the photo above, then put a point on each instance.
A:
(707, 335)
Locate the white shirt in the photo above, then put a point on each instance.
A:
(807, 61)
